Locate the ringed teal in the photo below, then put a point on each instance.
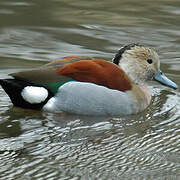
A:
(88, 86)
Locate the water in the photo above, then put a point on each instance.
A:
(40, 145)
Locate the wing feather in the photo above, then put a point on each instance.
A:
(96, 71)
(99, 72)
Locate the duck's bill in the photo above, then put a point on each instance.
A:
(161, 78)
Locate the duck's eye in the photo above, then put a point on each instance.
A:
(150, 61)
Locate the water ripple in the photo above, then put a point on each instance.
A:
(40, 145)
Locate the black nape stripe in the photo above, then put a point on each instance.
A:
(118, 56)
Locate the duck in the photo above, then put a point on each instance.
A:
(89, 86)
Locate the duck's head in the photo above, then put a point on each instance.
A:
(141, 64)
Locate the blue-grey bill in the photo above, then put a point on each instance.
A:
(161, 78)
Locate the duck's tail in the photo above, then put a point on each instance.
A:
(14, 88)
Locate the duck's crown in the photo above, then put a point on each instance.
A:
(118, 56)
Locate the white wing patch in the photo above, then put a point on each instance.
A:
(34, 95)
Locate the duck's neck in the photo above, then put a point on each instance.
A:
(133, 73)
(146, 92)
(141, 96)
